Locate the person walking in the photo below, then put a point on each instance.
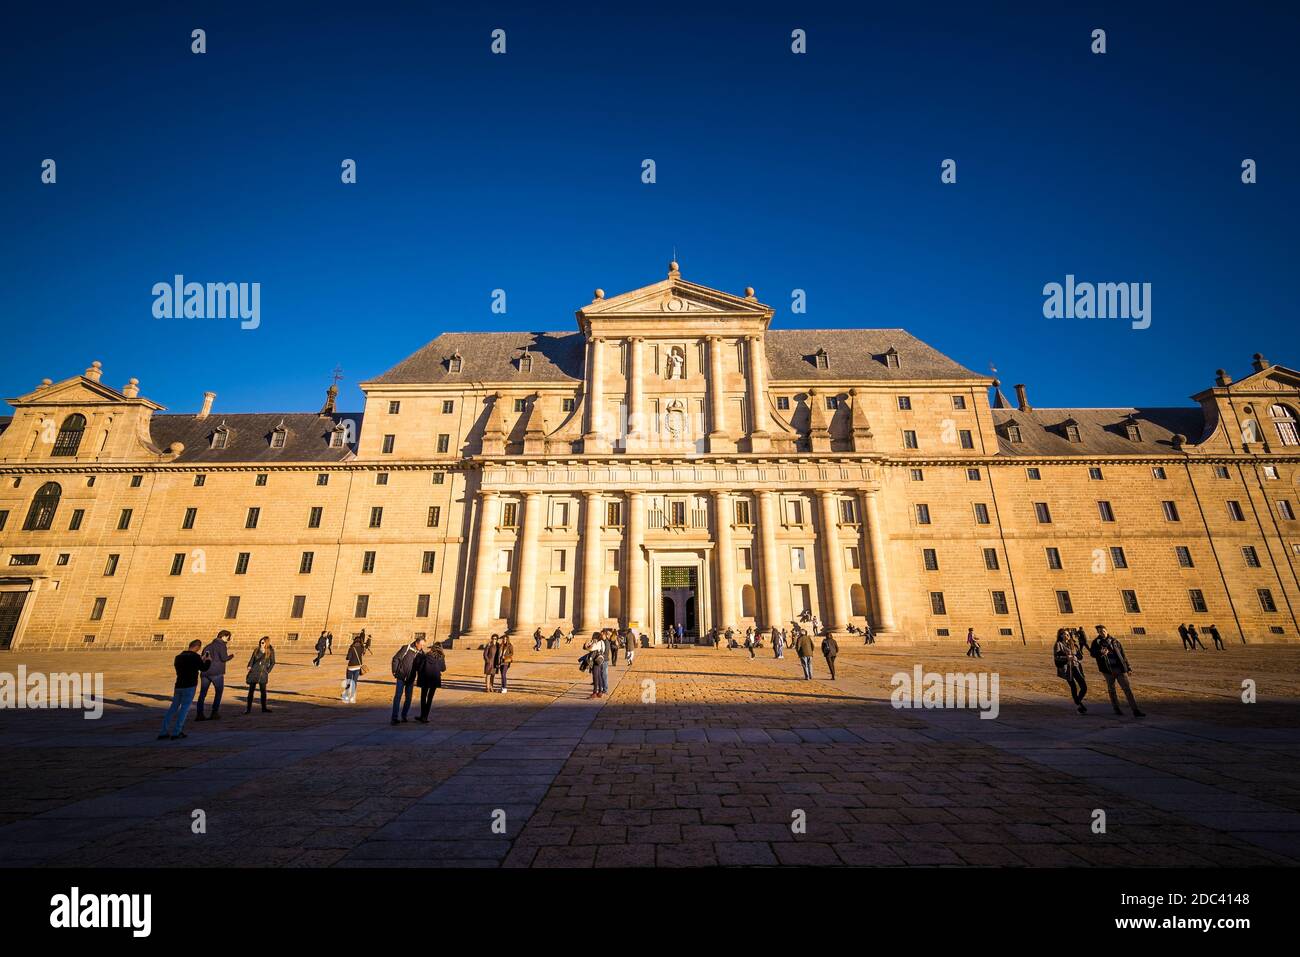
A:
(778, 644)
(260, 663)
(611, 638)
(1194, 637)
(537, 639)
(329, 642)
(491, 663)
(972, 644)
(868, 637)
(188, 664)
(1114, 667)
(631, 646)
(1182, 633)
(1213, 632)
(803, 647)
(749, 645)
(1068, 658)
(218, 650)
(505, 657)
(596, 651)
(679, 635)
(830, 650)
(1081, 637)
(428, 675)
(403, 667)
(355, 667)
(556, 637)
(321, 645)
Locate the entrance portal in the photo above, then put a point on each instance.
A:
(11, 609)
(678, 590)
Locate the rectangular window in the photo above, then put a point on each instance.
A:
(923, 514)
(746, 558)
(421, 606)
(124, 520)
(241, 564)
(611, 559)
(136, 480)
(918, 475)
(1252, 557)
(232, 607)
(1117, 557)
(1106, 513)
(439, 478)
(505, 559)
(1184, 556)
(566, 405)
(1158, 472)
(190, 515)
(1033, 474)
(1054, 558)
(389, 441)
(323, 478)
(558, 560)
(1197, 598)
(305, 563)
(24, 559)
(909, 439)
(1221, 471)
(742, 511)
(981, 513)
(63, 558)
(783, 403)
(677, 514)
(260, 479)
(4, 518)
(444, 442)
(314, 516)
(905, 403)
(794, 511)
(1234, 512)
(363, 606)
(435, 516)
(851, 557)
(1063, 603)
(1131, 601)
(937, 604)
(367, 563)
(426, 563)
(1284, 510)
(848, 511)
(376, 516)
(991, 559)
(77, 515)
(614, 514)
(509, 514)
(394, 407)
(965, 439)
(1171, 511)
(1266, 600)
(299, 606)
(381, 478)
(959, 402)
(110, 566)
(1043, 513)
(560, 511)
(253, 515)
(1094, 474)
(97, 609)
(200, 480)
(931, 559)
(974, 475)
(1000, 603)
(798, 562)
(165, 608)
(178, 563)
(448, 406)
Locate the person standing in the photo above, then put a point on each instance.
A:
(491, 663)
(329, 642)
(679, 635)
(778, 644)
(537, 639)
(430, 666)
(260, 663)
(612, 639)
(1081, 637)
(972, 644)
(1182, 633)
(803, 647)
(403, 666)
(355, 665)
(631, 646)
(867, 636)
(1194, 637)
(596, 652)
(505, 657)
(749, 645)
(215, 676)
(188, 664)
(830, 650)
(1068, 658)
(1114, 667)
(321, 645)
(1213, 632)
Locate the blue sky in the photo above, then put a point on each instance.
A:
(523, 172)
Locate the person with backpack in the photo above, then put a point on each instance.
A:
(1068, 658)
(595, 660)
(1114, 667)
(188, 664)
(260, 664)
(1182, 633)
(803, 647)
(1213, 632)
(611, 638)
(491, 663)
(1194, 637)
(355, 667)
(972, 644)
(428, 675)
(321, 646)
(505, 657)
(403, 666)
(830, 651)
(219, 651)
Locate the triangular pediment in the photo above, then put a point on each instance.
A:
(674, 297)
(78, 390)
(1272, 379)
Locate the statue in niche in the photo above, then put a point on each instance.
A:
(676, 364)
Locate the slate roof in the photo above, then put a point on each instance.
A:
(250, 437)
(559, 356)
(1101, 431)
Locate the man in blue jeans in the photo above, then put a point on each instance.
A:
(188, 664)
(404, 676)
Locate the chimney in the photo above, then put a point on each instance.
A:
(1259, 364)
(206, 410)
(1022, 400)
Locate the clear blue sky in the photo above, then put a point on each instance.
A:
(522, 172)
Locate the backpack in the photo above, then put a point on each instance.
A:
(400, 668)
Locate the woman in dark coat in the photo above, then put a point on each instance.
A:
(1068, 658)
(491, 663)
(259, 670)
(428, 675)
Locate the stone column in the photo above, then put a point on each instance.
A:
(717, 401)
(595, 439)
(832, 559)
(591, 562)
(635, 389)
(726, 554)
(771, 563)
(634, 562)
(527, 567)
(760, 440)
(875, 535)
(481, 611)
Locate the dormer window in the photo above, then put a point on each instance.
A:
(1013, 433)
(221, 437)
(526, 362)
(337, 437)
(891, 358)
(1072, 432)
(68, 440)
(454, 363)
(821, 360)
(1133, 432)
(279, 436)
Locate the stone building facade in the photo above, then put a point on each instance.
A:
(674, 459)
